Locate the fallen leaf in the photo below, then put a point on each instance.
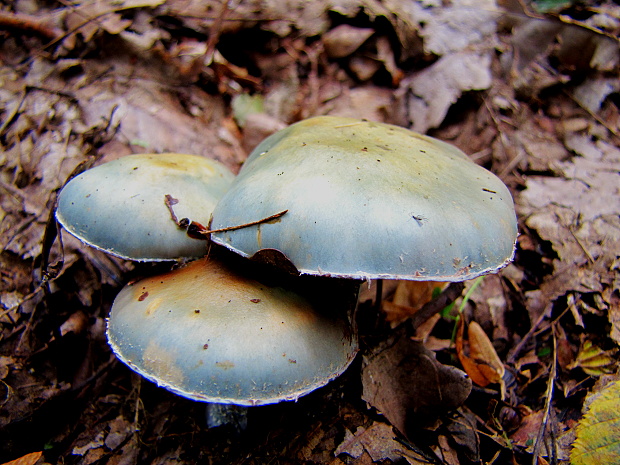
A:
(589, 186)
(377, 440)
(28, 459)
(429, 94)
(482, 364)
(598, 432)
(593, 360)
(481, 349)
(76, 323)
(460, 25)
(344, 39)
(614, 318)
(593, 91)
(369, 102)
(528, 430)
(409, 386)
(408, 298)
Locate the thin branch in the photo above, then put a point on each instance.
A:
(449, 295)
(548, 400)
(246, 225)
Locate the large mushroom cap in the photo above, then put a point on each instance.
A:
(369, 200)
(208, 334)
(120, 207)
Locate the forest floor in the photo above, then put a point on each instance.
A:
(530, 92)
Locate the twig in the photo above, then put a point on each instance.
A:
(11, 116)
(449, 295)
(246, 225)
(28, 23)
(548, 399)
(514, 353)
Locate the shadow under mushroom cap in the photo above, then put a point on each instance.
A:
(369, 200)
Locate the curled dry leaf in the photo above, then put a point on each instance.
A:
(409, 386)
(28, 459)
(482, 364)
(344, 40)
(593, 360)
(377, 440)
(76, 323)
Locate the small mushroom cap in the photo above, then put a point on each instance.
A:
(119, 207)
(206, 333)
(369, 200)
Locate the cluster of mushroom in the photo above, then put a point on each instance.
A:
(363, 200)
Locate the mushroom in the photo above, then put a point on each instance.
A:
(210, 332)
(120, 207)
(369, 200)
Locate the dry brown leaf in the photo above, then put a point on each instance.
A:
(469, 365)
(370, 102)
(409, 386)
(482, 364)
(76, 323)
(614, 318)
(377, 440)
(408, 298)
(528, 430)
(593, 360)
(481, 349)
(430, 93)
(28, 459)
(460, 25)
(344, 39)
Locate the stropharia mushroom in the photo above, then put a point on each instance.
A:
(369, 200)
(124, 207)
(209, 333)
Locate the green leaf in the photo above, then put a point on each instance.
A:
(598, 432)
(546, 6)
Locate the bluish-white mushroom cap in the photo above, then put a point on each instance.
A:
(206, 333)
(120, 208)
(369, 200)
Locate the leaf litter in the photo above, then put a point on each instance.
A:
(85, 82)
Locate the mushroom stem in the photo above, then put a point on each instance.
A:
(379, 295)
(235, 416)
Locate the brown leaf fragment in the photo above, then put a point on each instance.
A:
(344, 40)
(429, 94)
(463, 432)
(409, 386)
(593, 360)
(76, 323)
(528, 430)
(408, 298)
(28, 459)
(482, 350)
(614, 318)
(482, 364)
(377, 440)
